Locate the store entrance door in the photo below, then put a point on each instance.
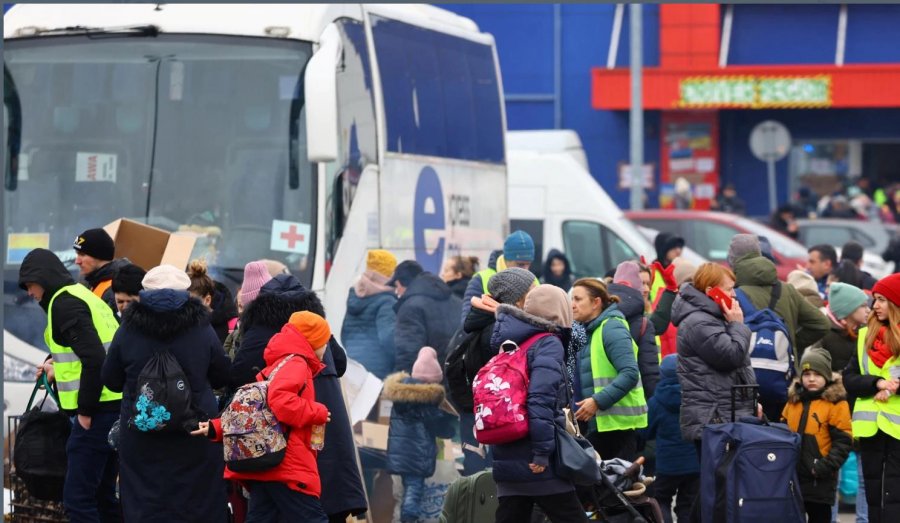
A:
(881, 162)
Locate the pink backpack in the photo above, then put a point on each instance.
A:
(500, 393)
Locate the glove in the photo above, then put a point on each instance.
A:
(668, 276)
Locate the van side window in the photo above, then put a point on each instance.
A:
(584, 247)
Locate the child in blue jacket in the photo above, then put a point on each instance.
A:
(677, 465)
(416, 420)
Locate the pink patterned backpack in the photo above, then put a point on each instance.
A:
(500, 393)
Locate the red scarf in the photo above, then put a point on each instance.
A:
(880, 351)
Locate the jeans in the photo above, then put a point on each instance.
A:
(413, 489)
(684, 488)
(272, 501)
(559, 508)
(89, 492)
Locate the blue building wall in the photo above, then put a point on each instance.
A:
(761, 34)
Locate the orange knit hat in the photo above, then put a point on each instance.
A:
(313, 327)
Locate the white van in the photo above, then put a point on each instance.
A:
(554, 198)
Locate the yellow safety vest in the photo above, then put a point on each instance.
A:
(630, 412)
(657, 285)
(67, 364)
(869, 415)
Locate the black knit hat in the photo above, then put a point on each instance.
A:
(406, 272)
(128, 279)
(96, 243)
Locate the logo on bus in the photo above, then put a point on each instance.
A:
(428, 215)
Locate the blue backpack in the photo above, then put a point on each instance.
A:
(771, 349)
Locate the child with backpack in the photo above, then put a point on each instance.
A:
(677, 464)
(817, 409)
(420, 414)
(289, 487)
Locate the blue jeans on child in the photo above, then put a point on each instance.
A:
(413, 490)
(862, 507)
(89, 492)
(274, 501)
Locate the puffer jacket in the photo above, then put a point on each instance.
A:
(427, 315)
(713, 356)
(368, 330)
(617, 343)
(826, 439)
(416, 420)
(631, 305)
(674, 455)
(546, 398)
(755, 277)
(292, 398)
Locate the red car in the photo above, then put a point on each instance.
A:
(709, 233)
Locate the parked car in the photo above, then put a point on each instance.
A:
(873, 236)
(709, 233)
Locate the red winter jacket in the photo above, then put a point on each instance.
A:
(292, 399)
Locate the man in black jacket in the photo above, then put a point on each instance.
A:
(94, 253)
(79, 328)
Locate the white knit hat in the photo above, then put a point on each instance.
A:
(166, 277)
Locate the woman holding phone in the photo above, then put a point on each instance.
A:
(713, 350)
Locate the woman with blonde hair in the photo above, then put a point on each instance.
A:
(612, 402)
(873, 378)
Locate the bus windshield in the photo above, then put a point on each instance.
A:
(196, 133)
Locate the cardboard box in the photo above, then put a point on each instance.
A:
(147, 246)
(374, 435)
(384, 411)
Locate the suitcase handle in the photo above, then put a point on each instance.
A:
(745, 391)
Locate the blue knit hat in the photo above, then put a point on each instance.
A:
(518, 247)
(667, 369)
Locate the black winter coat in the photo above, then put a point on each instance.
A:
(171, 476)
(546, 399)
(713, 356)
(475, 287)
(631, 305)
(223, 310)
(416, 420)
(73, 326)
(427, 315)
(342, 491)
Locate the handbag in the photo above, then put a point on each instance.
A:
(39, 451)
(576, 459)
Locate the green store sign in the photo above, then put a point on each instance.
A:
(755, 92)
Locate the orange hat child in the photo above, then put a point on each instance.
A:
(313, 327)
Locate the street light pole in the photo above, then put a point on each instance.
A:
(636, 121)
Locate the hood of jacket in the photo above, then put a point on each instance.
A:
(105, 273)
(401, 387)
(833, 392)
(371, 283)
(560, 281)
(753, 269)
(357, 305)
(517, 325)
(663, 243)
(165, 313)
(290, 341)
(274, 308)
(492, 259)
(631, 301)
(222, 305)
(610, 312)
(691, 300)
(427, 285)
(41, 266)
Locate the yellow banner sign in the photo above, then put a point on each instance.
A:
(755, 92)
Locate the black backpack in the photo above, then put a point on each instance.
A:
(463, 363)
(39, 451)
(162, 400)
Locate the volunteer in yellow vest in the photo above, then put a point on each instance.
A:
(80, 327)
(612, 403)
(668, 247)
(873, 378)
(94, 253)
(518, 251)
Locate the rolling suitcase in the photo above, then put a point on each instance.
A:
(749, 470)
(471, 499)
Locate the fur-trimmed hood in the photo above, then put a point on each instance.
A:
(402, 388)
(163, 323)
(833, 391)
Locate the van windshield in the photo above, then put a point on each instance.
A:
(195, 133)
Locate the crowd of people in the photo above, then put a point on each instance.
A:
(642, 358)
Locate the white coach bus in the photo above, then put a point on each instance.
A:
(302, 133)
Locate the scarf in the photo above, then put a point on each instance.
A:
(880, 351)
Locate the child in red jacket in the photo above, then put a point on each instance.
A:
(291, 490)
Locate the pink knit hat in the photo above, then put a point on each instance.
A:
(426, 368)
(629, 273)
(256, 274)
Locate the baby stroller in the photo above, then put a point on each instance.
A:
(620, 497)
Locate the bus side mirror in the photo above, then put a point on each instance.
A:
(320, 87)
